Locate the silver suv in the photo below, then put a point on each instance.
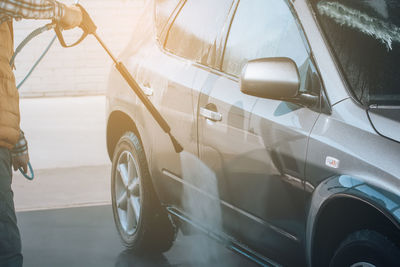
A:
(289, 115)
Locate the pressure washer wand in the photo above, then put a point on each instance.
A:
(138, 91)
(89, 27)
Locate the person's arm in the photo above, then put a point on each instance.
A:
(68, 16)
(32, 9)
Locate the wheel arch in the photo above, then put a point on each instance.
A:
(118, 123)
(336, 211)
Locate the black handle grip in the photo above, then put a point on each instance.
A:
(138, 91)
(147, 103)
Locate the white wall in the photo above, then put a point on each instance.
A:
(82, 70)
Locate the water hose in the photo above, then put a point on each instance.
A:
(17, 51)
(27, 39)
(29, 177)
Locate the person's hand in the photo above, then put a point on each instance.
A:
(21, 161)
(72, 17)
(19, 154)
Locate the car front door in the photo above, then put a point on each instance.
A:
(257, 147)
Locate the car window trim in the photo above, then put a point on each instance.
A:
(199, 65)
(219, 42)
(175, 14)
(311, 53)
(295, 16)
(332, 54)
(225, 34)
(166, 26)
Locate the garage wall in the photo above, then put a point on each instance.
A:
(82, 70)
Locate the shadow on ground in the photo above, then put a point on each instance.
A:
(86, 236)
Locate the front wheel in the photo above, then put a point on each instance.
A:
(140, 220)
(366, 248)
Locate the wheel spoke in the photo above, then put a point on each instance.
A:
(135, 182)
(135, 202)
(130, 217)
(131, 168)
(122, 201)
(134, 187)
(123, 171)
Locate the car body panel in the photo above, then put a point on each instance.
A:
(261, 169)
(365, 154)
(120, 99)
(366, 167)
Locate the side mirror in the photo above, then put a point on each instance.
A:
(275, 78)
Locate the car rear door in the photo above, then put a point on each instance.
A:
(257, 147)
(188, 47)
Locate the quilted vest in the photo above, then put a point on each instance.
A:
(9, 98)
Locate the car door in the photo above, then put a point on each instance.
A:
(189, 47)
(257, 147)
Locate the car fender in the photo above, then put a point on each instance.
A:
(134, 110)
(346, 186)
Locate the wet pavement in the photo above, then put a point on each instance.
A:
(64, 215)
(86, 236)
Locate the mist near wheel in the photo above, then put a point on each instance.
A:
(207, 209)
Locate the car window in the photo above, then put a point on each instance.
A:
(196, 28)
(261, 29)
(163, 10)
(365, 38)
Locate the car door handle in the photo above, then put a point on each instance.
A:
(209, 114)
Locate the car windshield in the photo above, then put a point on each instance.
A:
(365, 38)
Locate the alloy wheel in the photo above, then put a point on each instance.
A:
(127, 192)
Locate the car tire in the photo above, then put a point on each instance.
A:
(366, 248)
(140, 220)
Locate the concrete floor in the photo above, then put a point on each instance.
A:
(64, 214)
(67, 148)
(86, 236)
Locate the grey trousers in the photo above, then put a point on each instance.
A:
(10, 241)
